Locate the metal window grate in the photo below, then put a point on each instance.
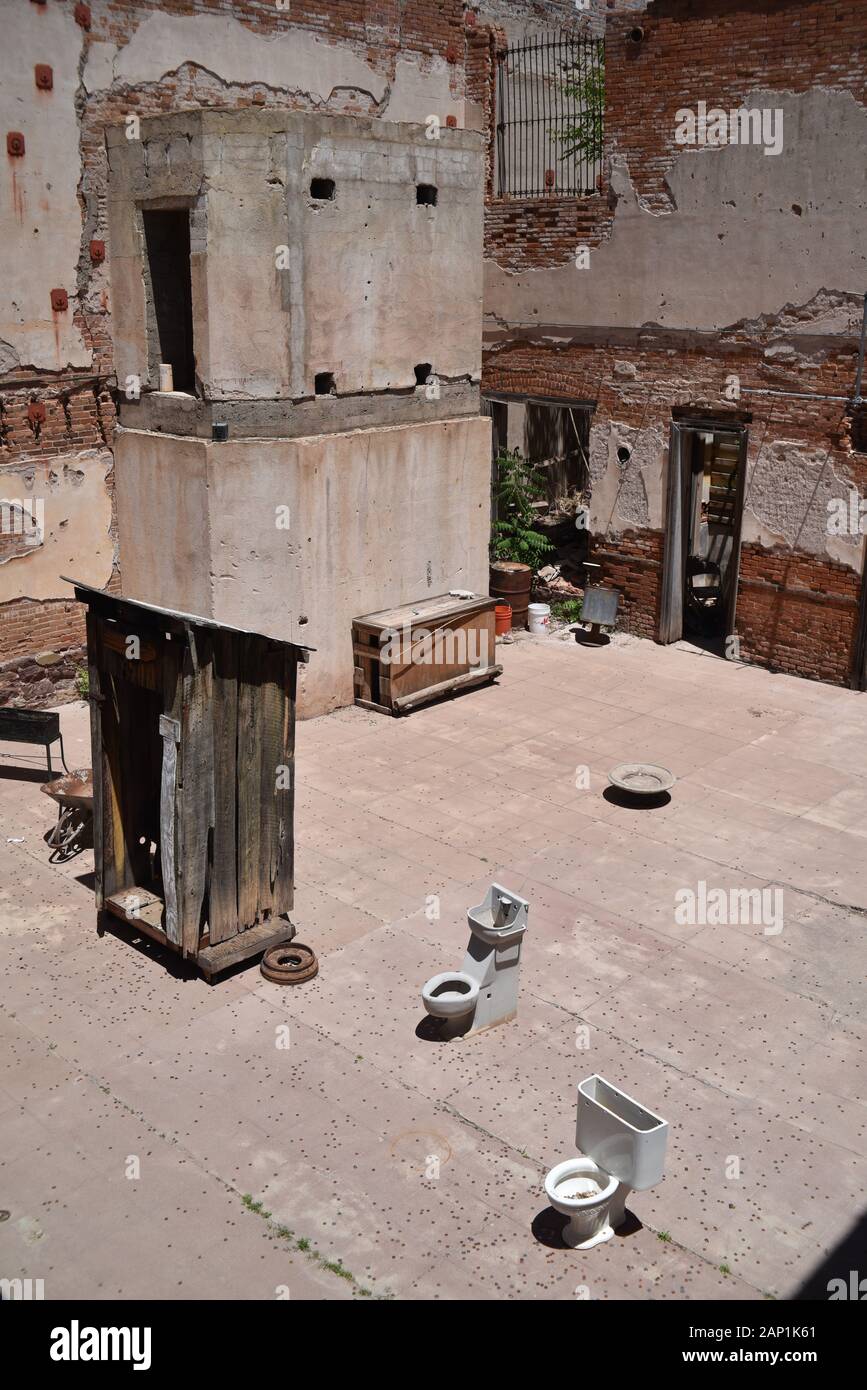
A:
(550, 106)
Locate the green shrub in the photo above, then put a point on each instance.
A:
(568, 610)
(513, 534)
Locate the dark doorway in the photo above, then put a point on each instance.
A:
(170, 300)
(710, 526)
(557, 441)
(706, 469)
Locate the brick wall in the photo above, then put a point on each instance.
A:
(526, 233)
(796, 612)
(634, 568)
(779, 612)
(725, 47)
(42, 646)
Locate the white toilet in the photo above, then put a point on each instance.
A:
(623, 1148)
(485, 991)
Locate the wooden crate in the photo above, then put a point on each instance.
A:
(407, 656)
(193, 736)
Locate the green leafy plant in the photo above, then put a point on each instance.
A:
(513, 535)
(82, 682)
(584, 136)
(568, 611)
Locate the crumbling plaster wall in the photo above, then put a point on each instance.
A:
(628, 493)
(74, 529)
(296, 537)
(144, 57)
(703, 263)
(748, 234)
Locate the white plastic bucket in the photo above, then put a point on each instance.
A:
(538, 618)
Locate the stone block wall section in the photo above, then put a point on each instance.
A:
(798, 596)
(398, 59)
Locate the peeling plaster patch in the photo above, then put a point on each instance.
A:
(99, 67)
(794, 512)
(415, 94)
(76, 525)
(830, 313)
(732, 247)
(9, 358)
(288, 61)
(625, 495)
(39, 205)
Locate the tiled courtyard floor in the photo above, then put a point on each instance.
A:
(418, 1166)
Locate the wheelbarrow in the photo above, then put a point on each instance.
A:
(74, 829)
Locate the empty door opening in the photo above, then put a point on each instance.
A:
(169, 291)
(710, 518)
(705, 503)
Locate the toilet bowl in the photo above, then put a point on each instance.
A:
(485, 990)
(581, 1190)
(624, 1145)
(452, 997)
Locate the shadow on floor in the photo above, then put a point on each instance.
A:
(27, 774)
(631, 802)
(168, 960)
(547, 1228)
(847, 1262)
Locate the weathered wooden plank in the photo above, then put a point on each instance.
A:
(116, 873)
(98, 758)
(284, 881)
(214, 959)
(249, 780)
(195, 791)
(170, 731)
(223, 911)
(404, 703)
(277, 780)
(140, 907)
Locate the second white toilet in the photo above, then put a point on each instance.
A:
(485, 990)
(622, 1148)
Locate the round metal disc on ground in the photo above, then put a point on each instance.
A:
(290, 964)
(641, 779)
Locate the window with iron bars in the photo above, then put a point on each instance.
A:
(550, 108)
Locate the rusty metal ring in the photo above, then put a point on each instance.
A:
(289, 964)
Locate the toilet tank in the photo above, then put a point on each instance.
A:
(624, 1138)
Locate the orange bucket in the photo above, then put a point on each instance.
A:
(503, 619)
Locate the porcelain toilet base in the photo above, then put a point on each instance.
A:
(581, 1190)
(451, 999)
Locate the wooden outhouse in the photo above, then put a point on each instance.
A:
(193, 733)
